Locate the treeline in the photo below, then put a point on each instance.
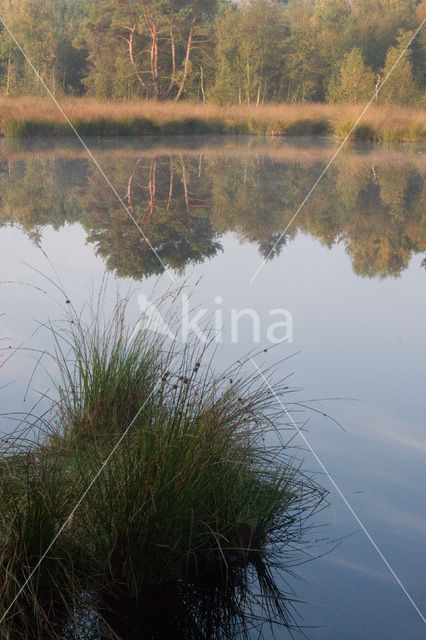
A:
(254, 52)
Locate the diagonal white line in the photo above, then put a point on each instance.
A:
(302, 435)
(82, 497)
(336, 153)
(86, 148)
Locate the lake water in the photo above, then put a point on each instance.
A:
(349, 273)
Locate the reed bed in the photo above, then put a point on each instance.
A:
(29, 116)
(193, 497)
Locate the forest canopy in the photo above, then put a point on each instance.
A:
(252, 52)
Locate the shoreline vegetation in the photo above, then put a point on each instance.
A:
(193, 509)
(30, 117)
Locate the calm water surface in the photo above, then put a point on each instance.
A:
(350, 270)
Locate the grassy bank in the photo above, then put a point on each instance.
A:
(40, 117)
(191, 500)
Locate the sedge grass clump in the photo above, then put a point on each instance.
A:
(35, 499)
(363, 132)
(105, 378)
(177, 480)
(13, 128)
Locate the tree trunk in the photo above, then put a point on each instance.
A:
(173, 45)
(378, 85)
(8, 77)
(186, 61)
(169, 199)
(129, 187)
(248, 80)
(258, 93)
(152, 187)
(185, 185)
(54, 79)
(202, 84)
(132, 58)
(154, 58)
(260, 84)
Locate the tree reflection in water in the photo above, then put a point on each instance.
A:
(185, 200)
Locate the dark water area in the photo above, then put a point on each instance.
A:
(350, 271)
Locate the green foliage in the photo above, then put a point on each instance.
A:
(249, 47)
(399, 87)
(304, 65)
(47, 32)
(155, 49)
(251, 52)
(190, 490)
(355, 82)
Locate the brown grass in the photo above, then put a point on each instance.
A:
(40, 116)
(90, 109)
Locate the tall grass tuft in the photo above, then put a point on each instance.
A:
(192, 495)
(35, 496)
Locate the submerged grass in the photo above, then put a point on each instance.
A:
(191, 494)
(29, 116)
